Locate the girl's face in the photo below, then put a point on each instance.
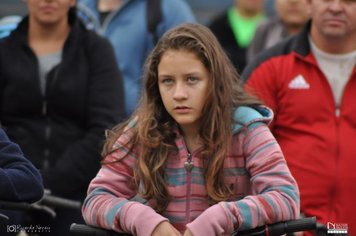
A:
(49, 12)
(183, 83)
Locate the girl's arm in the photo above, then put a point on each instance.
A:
(275, 195)
(108, 204)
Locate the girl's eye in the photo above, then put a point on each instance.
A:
(192, 79)
(167, 81)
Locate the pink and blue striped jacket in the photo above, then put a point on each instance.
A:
(265, 191)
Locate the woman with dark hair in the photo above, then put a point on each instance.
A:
(60, 89)
(197, 156)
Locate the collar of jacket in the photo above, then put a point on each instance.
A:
(245, 115)
(301, 44)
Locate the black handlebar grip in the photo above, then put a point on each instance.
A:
(60, 202)
(3, 218)
(86, 230)
(15, 205)
(303, 224)
(281, 228)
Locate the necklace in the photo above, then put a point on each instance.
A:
(188, 164)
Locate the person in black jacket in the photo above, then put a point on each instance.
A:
(236, 27)
(20, 181)
(60, 89)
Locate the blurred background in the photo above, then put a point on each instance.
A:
(204, 10)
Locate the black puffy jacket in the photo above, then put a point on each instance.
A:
(61, 132)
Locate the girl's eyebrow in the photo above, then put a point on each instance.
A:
(193, 73)
(165, 76)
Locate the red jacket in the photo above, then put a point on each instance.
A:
(318, 140)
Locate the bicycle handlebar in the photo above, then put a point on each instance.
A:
(60, 202)
(280, 228)
(3, 218)
(24, 206)
(45, 205)
(275, 229)
(86, 230)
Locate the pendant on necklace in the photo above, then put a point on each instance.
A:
(188, 165)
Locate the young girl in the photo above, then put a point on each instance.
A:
(197, 157)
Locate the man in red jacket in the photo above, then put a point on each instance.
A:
(309, 81)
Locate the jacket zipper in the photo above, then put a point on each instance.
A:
(47, 134)
(188, 165)
(331, 213)
(48, 130)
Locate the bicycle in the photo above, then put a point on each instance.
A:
(276, 229)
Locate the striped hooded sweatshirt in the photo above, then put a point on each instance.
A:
(264, 190)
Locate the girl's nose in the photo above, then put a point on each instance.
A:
(180, 92)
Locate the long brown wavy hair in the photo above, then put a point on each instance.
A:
(153, 132)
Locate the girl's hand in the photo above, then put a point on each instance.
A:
(187, 233)
(165, 229)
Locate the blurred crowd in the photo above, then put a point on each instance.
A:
(67, 78)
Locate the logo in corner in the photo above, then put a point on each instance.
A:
(337, 228)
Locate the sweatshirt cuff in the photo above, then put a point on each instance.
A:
(213, 221)
(140, 219)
